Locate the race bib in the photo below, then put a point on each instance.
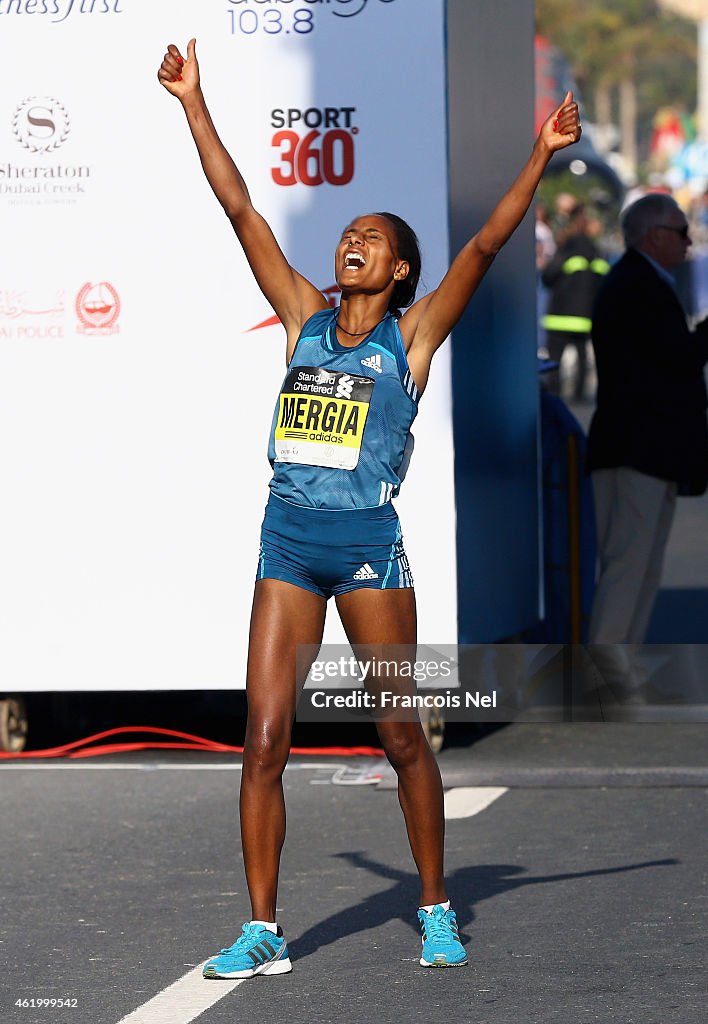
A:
(321, 417)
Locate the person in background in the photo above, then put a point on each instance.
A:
(545, 242)
(648, 438)
(573, 277)
(545, 248)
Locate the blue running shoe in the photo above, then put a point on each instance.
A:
(257, 950)
(441, 942)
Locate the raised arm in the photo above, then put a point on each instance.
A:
(427, 323)
(293, 298)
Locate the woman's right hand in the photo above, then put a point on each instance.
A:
(179, 76)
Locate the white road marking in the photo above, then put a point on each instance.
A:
(466, 801)
(192, 994)
(183, 1001)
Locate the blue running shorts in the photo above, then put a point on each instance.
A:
(333, 552)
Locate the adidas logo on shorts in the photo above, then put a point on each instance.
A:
(365, 573)
(373, 363)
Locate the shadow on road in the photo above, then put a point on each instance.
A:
(484, 880)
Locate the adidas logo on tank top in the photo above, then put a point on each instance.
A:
(373, 363)
(365, 573)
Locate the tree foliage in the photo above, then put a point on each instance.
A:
(608, 41)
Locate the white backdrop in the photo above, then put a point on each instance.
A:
(135, 400)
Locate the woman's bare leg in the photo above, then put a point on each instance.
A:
(283, 616)
(378, 618)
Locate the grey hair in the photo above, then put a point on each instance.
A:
(646, 213)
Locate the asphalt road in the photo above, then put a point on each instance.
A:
(576, 903)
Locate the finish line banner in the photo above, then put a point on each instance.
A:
(139, 363)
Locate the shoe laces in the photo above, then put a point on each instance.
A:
(437, 924)
(248, 935)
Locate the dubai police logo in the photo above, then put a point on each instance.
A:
(321, 417)
(41, 124)
(97, 307)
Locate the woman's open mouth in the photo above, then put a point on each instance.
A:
(353, 260)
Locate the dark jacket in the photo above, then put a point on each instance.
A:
(651, 396)
(573, 276)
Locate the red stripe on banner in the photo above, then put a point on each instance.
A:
(270, 322)
(331, 293)
(87, 747)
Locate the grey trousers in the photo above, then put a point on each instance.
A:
(633, 513)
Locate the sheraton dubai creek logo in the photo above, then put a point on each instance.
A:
(290, 17)
(41, 125)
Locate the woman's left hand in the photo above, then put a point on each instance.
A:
(563, 127)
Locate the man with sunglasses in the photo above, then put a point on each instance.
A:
(648, 438)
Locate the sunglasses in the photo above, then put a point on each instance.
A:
(683, 232)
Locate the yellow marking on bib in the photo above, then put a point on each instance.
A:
(311, 419)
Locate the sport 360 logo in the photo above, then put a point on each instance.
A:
(315, 146)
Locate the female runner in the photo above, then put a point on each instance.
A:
(353, 382)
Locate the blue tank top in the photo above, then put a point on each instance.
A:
(340, 436)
